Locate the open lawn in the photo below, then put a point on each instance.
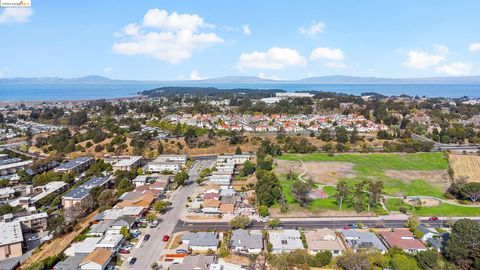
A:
(443, 209)
(317, 205)
(375, 165)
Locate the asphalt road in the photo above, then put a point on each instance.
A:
(332, 223)
(148, 252)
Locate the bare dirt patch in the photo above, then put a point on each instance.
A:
(437, 178)
(324, 172)
(424, 202)
(465, 166)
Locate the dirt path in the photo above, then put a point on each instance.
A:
(59, 244)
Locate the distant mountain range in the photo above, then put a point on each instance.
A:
(335, 79)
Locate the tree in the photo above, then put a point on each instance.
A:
(325, 135)
(107, 198)
(263, 211)
(267, 188)
(412, 223)
(341, 135)
(301, 192)
(354, 261)
(273, 223)
(154, 266)
(125, 232)
(151, 217)
(321, 259)
(239, 222)
(160, 148)
(359, 198)
(160, 206)
(402, 262)
(342, 192)
(248, 168)
(427, 259)
(463, 246)
(375, 193)
(181, 177)
(238, 150)
(471, 191)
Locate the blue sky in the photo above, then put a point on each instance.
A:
(170, 40)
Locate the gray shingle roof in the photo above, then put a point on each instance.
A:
(363, 240)
(243, 238)
(201, 238)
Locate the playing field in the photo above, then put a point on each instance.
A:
(465, 166)
(403, 174)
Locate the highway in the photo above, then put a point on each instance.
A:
(149, 251)
(445, 146)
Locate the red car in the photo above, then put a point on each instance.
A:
(346, 228)
(123, 251)
(165, 238)
(433, 218)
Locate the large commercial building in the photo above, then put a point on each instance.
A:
(124, 163)
(171, 163)
(13, 165)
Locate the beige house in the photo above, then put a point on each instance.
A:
(324, 240)
(11, 239)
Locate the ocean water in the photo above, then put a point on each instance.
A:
(88, 91)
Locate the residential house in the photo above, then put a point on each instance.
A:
(13, 165)
(403, 239)
(427, 233)
(7, 193)
(84, 247)
(197, 262)
(112, 242)
(210, 206)
(227, 208)
(30, 221)
(245, 242)
(285, 241)
(119, 223)
(439, 242)
(97, 260)
(324, 240)
(358, 241)
(135, 198)
(201, 241)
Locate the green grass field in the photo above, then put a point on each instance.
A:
(319, 204)
(373, 165)
(440, 210)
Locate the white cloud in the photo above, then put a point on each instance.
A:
(274, 58)
(159, 18)
(474, 47)
(246, 29)
(422, 60)
(454, 69)
(108, 69)
(195, 76)
(15, 15)
(267, 77)
(441, 49)
(170, 38)
(313, 30)
(327, 53)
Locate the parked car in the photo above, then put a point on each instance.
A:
(123, 251)
(166, 238)
(146, 237)
(181, 251)
(346, 228)
(132, 261)
(154, 224)
(433, 219)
